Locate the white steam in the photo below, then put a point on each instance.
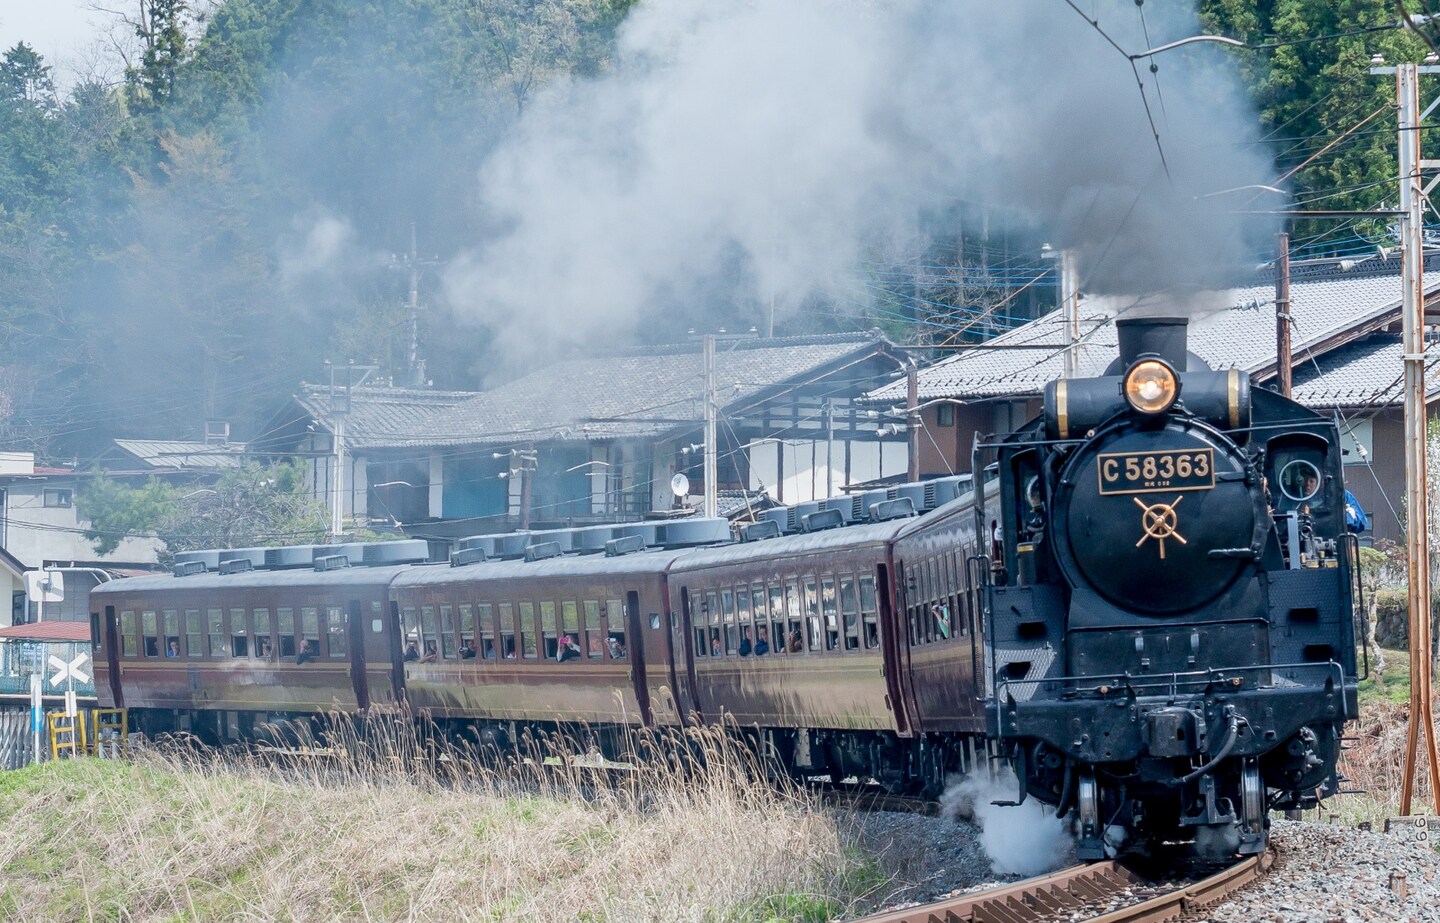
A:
(747, 152)
(1026, 839)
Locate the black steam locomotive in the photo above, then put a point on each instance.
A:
(1170, 620)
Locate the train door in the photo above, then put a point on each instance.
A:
(682, 658)
(397, 662)
(636, 653)
(895, 643)
(112, 655)
(355, 628)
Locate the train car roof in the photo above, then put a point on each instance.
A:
(640, 563)
(807, 543)
(253, 579)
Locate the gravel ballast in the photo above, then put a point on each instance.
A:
(1324, 873)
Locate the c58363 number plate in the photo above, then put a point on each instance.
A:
(1148, 472)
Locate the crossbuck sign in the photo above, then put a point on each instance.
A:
(75, 669)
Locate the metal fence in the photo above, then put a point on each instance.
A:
(63, 665)
(16, 741)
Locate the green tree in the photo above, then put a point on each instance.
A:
(161, 31)
(249, 506)
(1313, 84)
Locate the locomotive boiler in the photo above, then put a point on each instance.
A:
(1170, 620)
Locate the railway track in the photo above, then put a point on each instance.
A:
(1103, 892)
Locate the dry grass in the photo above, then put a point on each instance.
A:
(1373, 760)
(173, 835)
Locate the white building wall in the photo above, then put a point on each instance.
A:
(35, 533)
(794, 471)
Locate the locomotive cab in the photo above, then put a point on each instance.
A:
(1171, 615)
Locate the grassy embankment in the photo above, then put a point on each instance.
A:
(170, 836)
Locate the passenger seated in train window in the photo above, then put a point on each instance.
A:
(151, 648)
(796, 644)
(616, 647)
(431, 654)
(567, 649)
(942, 619)
(267, 652)
(172, 647)
(488, 646)
(468, 651)
(509, 647)
(745, 645)
(309, 650)
(412, 652)
(872, 636)
(762, 641)
(717, 649)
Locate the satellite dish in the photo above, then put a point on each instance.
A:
(680, 485)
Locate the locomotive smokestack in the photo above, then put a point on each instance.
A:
(1161, 336)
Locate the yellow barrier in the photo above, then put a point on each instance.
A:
(62, 725)
(110, 729)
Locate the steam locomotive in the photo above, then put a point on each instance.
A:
(1143, 604)
(1173, 629)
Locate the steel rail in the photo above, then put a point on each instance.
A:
(1063, 894)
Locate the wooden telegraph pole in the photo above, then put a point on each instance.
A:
(1412, 309)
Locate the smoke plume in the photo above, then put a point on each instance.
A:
(1026, 839)
(753, 153)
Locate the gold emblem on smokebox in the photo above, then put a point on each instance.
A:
(1159, 521)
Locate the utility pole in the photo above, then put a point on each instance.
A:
(829, 448)
(1282, 314)
(711, 413)
(1070, 304)
(414, 365)
(340, 399)
(1412, 311)
(912, 416)
(529, 461)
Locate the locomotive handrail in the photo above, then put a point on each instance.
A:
(1351, 542)
(977, 577)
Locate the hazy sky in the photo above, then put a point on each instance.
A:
(58, 29)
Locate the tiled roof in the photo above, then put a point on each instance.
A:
(1228, 329)
(159, 454)
(380, 416)
(1366, 373)
(48, 631)
(634, 395)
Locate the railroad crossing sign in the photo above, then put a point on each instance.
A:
(74, 669)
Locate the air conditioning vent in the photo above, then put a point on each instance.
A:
(255, 557)
(759, 531)
(410, 551)
(823, 519)
(189, 568)
(625, 544)
(210, 558)
(237, 566)
(543, 551)
(899, 508)
(290, 556)
(683, 532)
(467, 556)
(327, 562)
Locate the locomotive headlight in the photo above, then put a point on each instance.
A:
(1151, 386)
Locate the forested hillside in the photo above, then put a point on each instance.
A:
(189, 240)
